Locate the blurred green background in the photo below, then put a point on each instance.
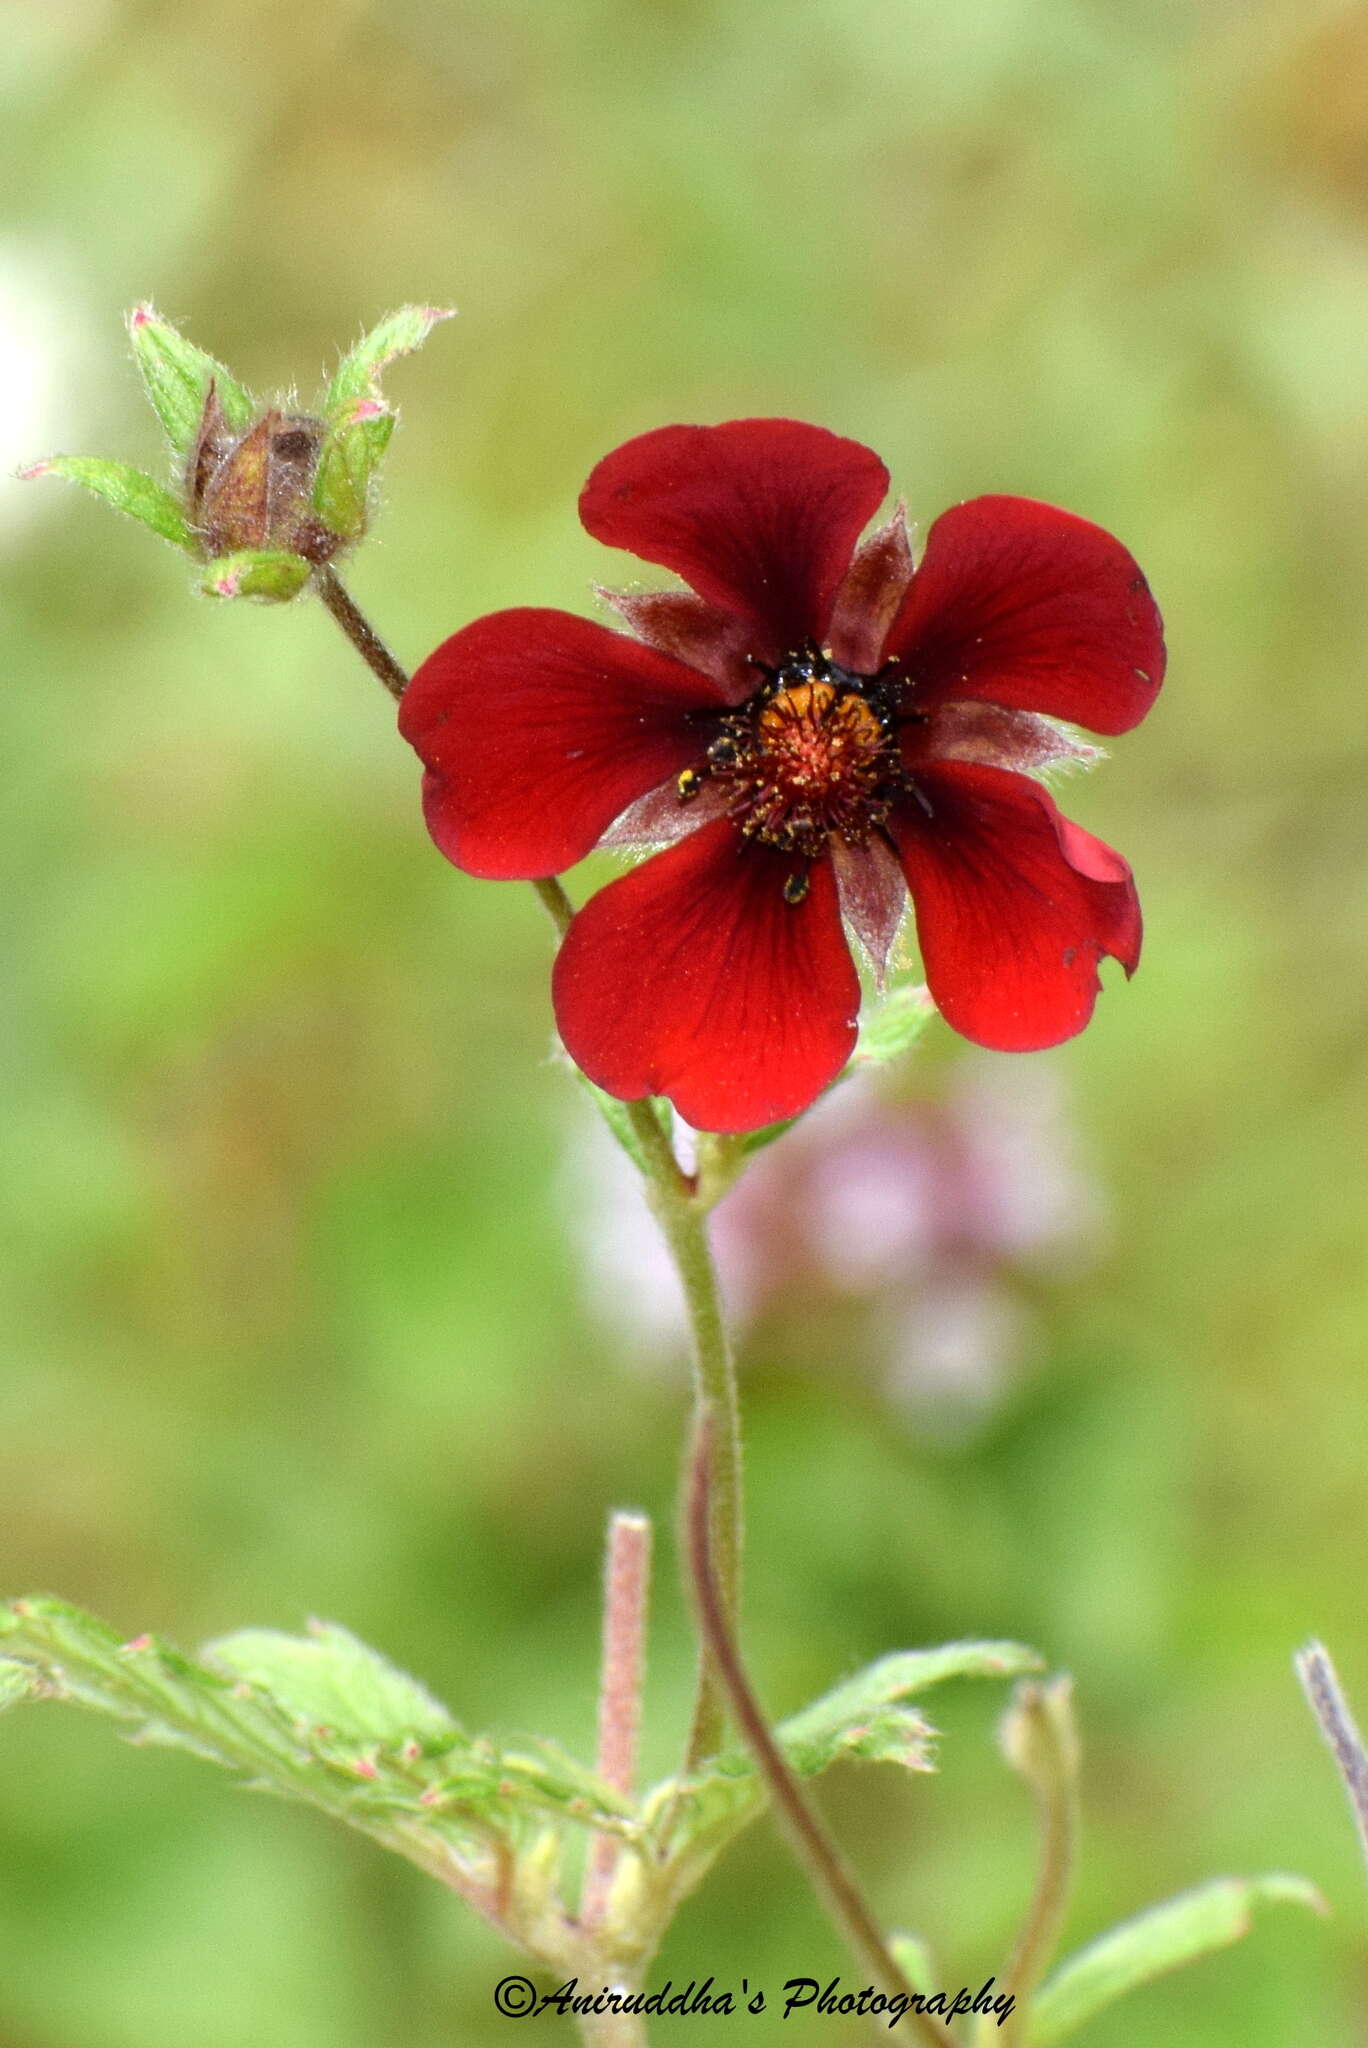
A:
(292, 1322)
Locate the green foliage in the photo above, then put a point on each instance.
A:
(126, 489)
(351, 454)
(267, 573)
(357, 375)
(328, 1678)
(319, 1718)
(866, 1708)
(324, 1720)
(178, 377)
(893, 1025)
(1183, 1930)
(864, 1719)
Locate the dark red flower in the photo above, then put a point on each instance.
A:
(812, 730)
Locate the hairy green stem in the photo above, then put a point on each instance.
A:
(360, 632)
(717, 1423)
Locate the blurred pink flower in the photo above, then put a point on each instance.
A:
(936, 1214)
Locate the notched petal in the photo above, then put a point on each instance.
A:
(1021, 604)
(760, 517)
(1016, 906)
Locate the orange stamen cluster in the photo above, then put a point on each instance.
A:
(810, 756)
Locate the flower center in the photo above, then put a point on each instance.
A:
(813, 753)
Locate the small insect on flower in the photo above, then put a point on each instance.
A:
(813, 730)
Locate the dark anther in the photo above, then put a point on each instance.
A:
(724, 752)
(688, 783)
(795, 888)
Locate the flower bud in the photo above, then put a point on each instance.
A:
(265, 494)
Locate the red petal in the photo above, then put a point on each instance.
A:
(1028, 606)
(1015, 906)
(691, 977)
(871, 591)
(537, 729)
(760, 516)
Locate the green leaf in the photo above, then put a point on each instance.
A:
(319, 1718)
(1182, 1930)
(330, 1679)
(178, 376)
(126, 489)
(829, 1724)
(892, 1026)
(347, 462)
(270, 574)
(398, 334)
(688, 1822)
(864, 1719)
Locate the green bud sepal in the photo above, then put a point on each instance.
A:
(264, 494)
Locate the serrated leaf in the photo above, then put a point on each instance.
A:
(330, 1679)
(351, 453)
(391, 1761)
(269, 574)
(178, 376)
(891, 1027)
(1183, 1930)
(864, 1718)
(126, 489)
(893, 1679)
(687, 1823)
(883, 1735)
(356, 376)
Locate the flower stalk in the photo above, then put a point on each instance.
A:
(360, 631)
(679, 1203)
